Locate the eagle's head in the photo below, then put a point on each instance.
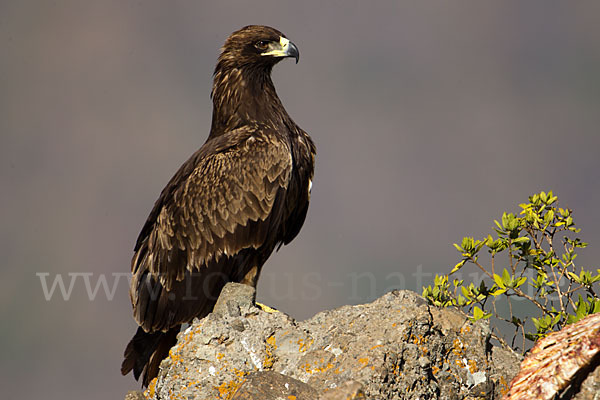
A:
(258, 46)
(243, 91)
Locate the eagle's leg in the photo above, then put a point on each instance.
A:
(251, 279)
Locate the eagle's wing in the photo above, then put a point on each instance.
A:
(220, 202)
(300, 186)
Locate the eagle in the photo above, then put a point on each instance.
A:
(243, 194)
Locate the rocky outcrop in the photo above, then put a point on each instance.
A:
(397, 347)
(563, 365)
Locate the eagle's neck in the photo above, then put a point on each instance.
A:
(244, 96)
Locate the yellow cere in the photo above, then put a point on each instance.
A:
(283, 43)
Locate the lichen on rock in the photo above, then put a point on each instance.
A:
(397, 347)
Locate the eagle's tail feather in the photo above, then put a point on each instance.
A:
(145, 351)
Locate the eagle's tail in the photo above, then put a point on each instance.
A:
(145, 351)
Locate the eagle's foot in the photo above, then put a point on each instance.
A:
(266, 308)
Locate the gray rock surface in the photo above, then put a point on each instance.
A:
(271, 385)
(397, 347)
(590, 387)
(134, 395)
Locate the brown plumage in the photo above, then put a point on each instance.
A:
(242, 194)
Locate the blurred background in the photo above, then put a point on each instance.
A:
(430, 118)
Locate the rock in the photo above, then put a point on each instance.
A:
(270, 385)
(559, 365)
(590, 387)
(350, 390)
(134, 395)
(233, 297)
(397, 347)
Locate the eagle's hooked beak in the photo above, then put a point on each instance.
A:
(284, 48)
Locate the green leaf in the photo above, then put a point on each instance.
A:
(465, 292)
(548, 217)
(574, 277)
(521, 240)
(531, 337)
(499, 281)
(505, 221)
(506, 278)
(458, 266)
(569, 221)
(479, 314)
(467, 243)
(440, 280)
(498, 224)
(595, 305)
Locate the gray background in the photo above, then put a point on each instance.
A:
(430, 117)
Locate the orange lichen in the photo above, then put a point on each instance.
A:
(364, 361)
(151, 391)
(239, 373)
(376, 346)
(418, 339)
(304, 345)
(319, 367)
(179, 394)
(457, 347)
(325, 368)
(175, 352)
(227, 389)
(472, 366)
(270, 347)
(291, 397)
(504, 384)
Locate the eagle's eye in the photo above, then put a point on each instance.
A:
(262, 44)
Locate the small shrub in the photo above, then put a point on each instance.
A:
(537, 268)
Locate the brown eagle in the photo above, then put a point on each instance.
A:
(241, 195)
